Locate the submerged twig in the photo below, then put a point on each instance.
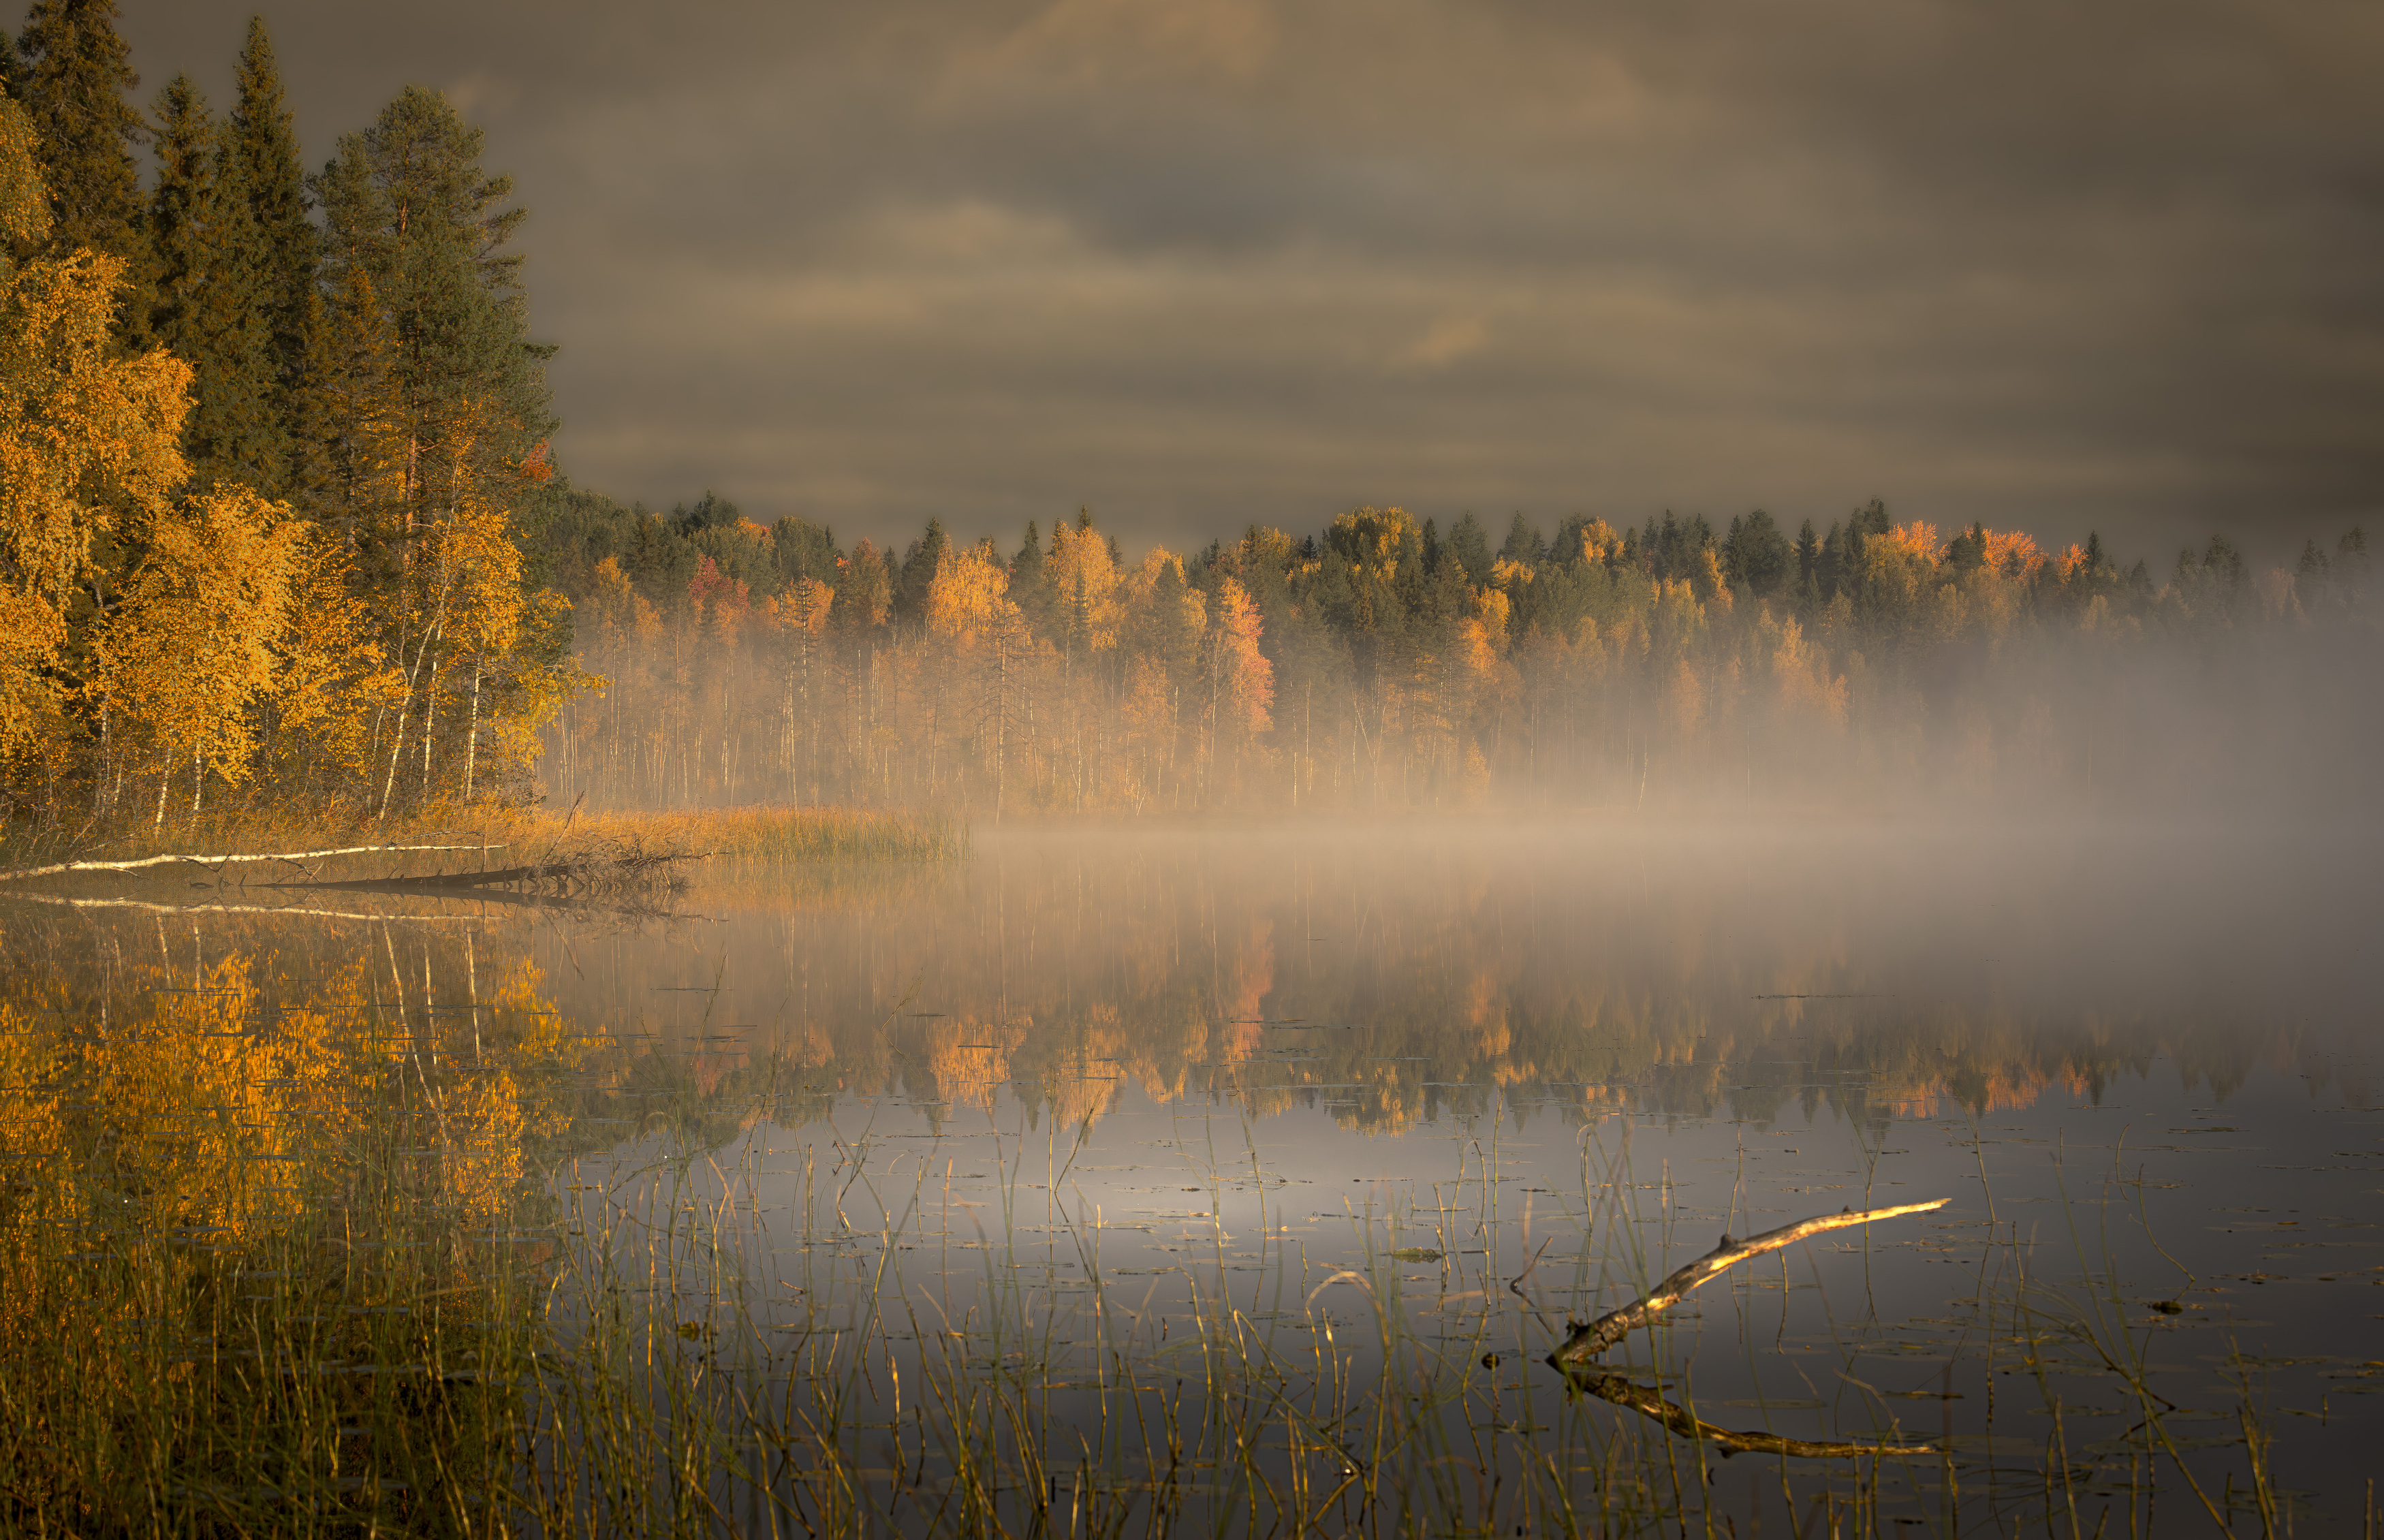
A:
(1588, 1341)
(1648, 1403)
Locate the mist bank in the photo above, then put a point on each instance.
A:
(1384, 667)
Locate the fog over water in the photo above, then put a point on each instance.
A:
(1121, 1076)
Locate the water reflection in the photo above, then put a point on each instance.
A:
(1315, 1099)
(1387, 979)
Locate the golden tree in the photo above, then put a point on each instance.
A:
(88, 450)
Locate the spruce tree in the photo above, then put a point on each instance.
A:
(920, 563)
(1030, 585)
(209, 300)
(77, 71)
(406, 204)
(1470, 543)
(265, 145)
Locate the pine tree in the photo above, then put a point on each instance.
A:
(12, 69)
(265, 146)
(208, 303)
(76, 76)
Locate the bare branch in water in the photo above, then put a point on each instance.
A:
(1639, 1398)
(1588, 1341)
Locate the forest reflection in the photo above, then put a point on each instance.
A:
(1383, 979)
(1386, 978)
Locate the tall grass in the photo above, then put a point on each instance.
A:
(777, 1318)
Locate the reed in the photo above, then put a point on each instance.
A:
(687, 1318)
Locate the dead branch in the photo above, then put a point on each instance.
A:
(1639, 1398)
(1586, 1342)
(213, 862)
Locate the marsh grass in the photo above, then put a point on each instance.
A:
(787, 1319)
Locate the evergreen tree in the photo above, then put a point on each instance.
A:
(919, 563)
(406, 202)
(208, 302)
(352, 464)
(1030, 585)
(711, 513)
(1758, 554)
(77, 71)
(1470, 543)
(1524, 544)
(265, 146)
(803, 550)
(12, 69)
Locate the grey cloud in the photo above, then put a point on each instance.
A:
(1200, 262)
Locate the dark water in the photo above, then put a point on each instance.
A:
(1087, 1099)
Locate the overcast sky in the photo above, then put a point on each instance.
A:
(1201, 263)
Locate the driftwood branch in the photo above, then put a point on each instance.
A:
(1585, 1342)
(1639, 1398)
(213, 862)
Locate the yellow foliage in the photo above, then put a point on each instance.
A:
(2015, 554)
(1915, 538)
(190, 644)
(24, 202)
(966, 595)
(86, 436)
(1081, 572)
(619, 614)
(1802, 672)
(1373, 537)
(1245, 680)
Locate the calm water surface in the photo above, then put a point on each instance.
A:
(1385, 1106)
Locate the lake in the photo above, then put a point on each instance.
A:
(1162, 1179)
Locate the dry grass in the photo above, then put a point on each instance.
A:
(808, 834)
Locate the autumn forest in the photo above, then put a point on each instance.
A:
(281, 531)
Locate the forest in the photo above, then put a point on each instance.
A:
(282, 531)
(269, 436)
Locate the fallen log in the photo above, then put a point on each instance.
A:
(584, 873)
(1585, 1342)
(216, 861)
(434, 880)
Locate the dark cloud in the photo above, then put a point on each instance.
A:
(1196, 264)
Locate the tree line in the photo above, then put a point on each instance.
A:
(268, 433)
(1384, 662)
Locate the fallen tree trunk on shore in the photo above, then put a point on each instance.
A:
(216, 862)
